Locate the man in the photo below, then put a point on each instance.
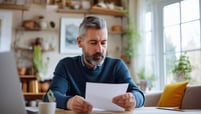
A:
(72, 73)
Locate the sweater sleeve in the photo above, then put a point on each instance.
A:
(124, 76)
(59, 86)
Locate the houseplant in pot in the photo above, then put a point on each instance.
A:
(182, 68)
(40, 65)
(146, 80)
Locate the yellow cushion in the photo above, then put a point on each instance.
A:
(172, 95)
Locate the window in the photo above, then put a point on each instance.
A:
(170, 28)
(181, 34)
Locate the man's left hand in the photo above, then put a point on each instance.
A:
(126, 101)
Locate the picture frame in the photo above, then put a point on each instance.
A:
(5, 30)
(69, 30)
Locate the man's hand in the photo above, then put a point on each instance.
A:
(126, 101)
(79, 105)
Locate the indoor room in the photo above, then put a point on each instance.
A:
(158, 42)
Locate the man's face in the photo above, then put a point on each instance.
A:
(94, 45)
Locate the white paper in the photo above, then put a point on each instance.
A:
(100, 95)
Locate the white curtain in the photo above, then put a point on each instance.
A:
(146, 47)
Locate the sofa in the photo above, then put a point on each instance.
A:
(191, 103)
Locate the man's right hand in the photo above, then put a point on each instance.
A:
(79, 105)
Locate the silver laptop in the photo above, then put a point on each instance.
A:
(11, 97)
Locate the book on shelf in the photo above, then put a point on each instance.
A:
(24, 85)
(33, 86)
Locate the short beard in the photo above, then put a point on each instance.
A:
(94, 60)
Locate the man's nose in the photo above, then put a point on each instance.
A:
(99, 47)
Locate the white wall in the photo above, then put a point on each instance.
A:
(5, 30)
(24, 38)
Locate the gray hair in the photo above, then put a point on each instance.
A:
(91, 22)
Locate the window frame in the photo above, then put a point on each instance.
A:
(159, 38)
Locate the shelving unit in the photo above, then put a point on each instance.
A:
(29, 86)
(32, 95)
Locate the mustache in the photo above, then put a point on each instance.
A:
(98, 54)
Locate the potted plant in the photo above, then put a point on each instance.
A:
(182, 68)
(146, 80)
(39, 64)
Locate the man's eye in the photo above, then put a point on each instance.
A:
(103, 43)
(93, 43)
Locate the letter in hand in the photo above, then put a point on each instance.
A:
(126, 101)
(79, 105)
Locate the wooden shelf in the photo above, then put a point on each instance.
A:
(22, 29)
(14, 6)
(30, 94)
(31, 50)
(27, 77)
(94, 10)
(33, 96)
(23, 49)
(106, 11)
(114, 32)
(72, 11)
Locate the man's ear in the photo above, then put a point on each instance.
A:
(79, 42)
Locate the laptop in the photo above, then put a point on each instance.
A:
(11, 95)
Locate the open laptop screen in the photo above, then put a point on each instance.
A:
(11, 97)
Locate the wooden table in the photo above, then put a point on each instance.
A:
(94, 112)
(144, 110)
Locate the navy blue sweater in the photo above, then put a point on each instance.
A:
(71, 75)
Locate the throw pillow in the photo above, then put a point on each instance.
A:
(172, 95)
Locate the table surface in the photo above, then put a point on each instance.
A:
(143, 110)
(94, 112)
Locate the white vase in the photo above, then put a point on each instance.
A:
(46, 46)
(43, 25)
(180, 76)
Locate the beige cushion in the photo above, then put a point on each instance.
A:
(152, 99)
(192, 98)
